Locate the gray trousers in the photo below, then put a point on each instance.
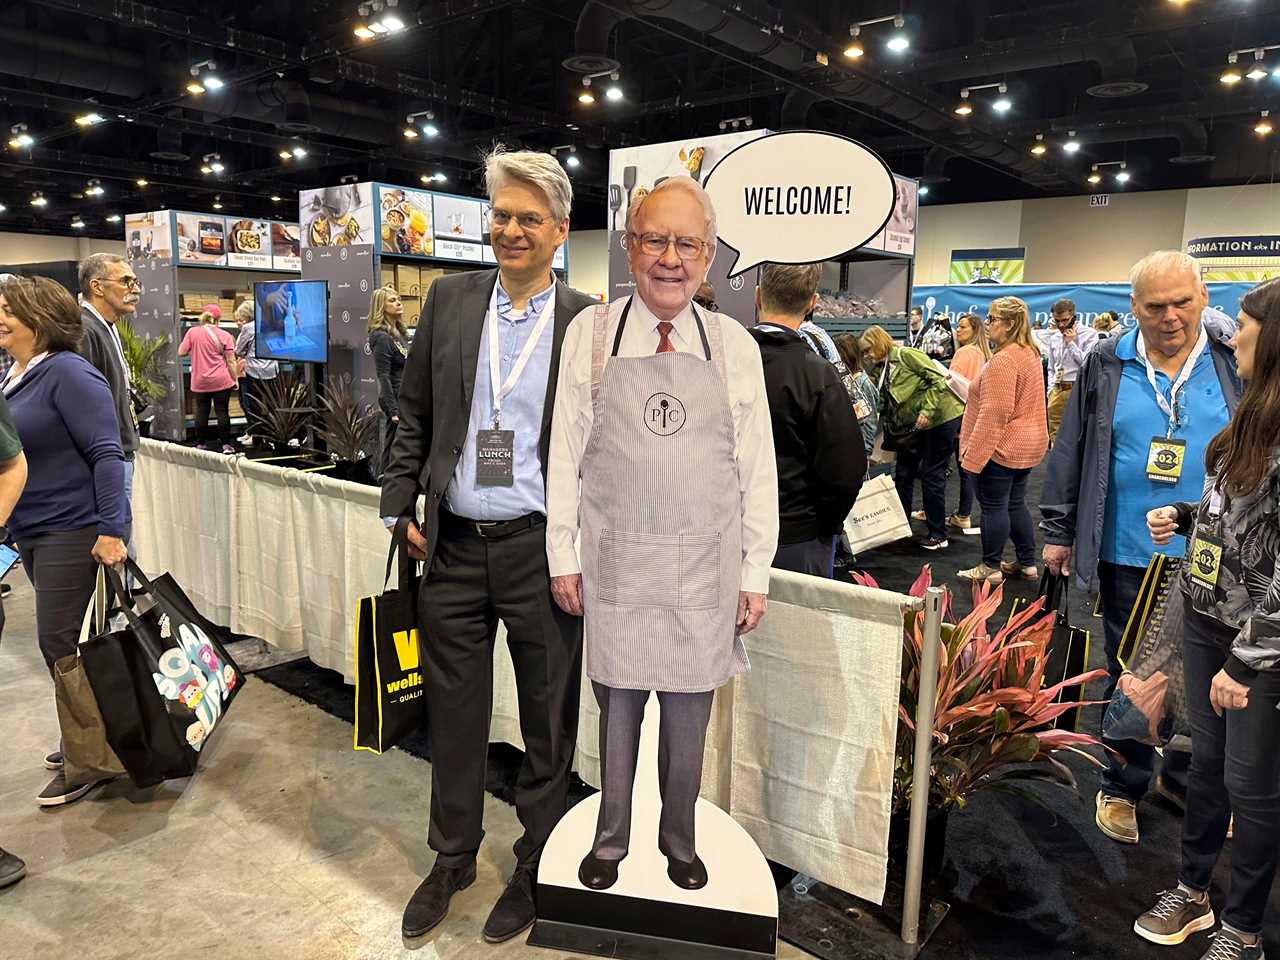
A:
(63, 572)
(682, 736)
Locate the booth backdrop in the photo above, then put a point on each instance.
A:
(800, 751)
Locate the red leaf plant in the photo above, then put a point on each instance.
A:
(992, 714)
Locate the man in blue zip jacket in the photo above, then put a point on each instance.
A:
(1133, 438)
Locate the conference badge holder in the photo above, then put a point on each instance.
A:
(1165, 459)
(495, 453)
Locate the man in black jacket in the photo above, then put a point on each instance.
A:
(816, 438)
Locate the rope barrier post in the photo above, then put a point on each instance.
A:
(922, 763)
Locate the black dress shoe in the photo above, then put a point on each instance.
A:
(597, 874)
(430, 902)
(11, 869)
(514, 912)
(690, 876)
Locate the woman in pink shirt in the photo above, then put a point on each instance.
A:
(213, 358)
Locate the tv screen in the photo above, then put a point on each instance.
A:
(291, 320)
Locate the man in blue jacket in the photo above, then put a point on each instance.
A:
(1133, 438)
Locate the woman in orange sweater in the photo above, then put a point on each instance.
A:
(1003, 436)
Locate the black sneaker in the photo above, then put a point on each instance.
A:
(1174, 918)
(1227, 946)
(58, 793)
(53, 761)
(935, 543)
(11, 869)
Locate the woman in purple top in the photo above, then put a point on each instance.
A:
(73, 514)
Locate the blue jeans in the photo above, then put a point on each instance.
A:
(1118, 586)
(128, 503)
(1002, 491)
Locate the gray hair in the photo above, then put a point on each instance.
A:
(689, 186)
(95, 267)
(540, 170)
(1160, 263)
(244, 308)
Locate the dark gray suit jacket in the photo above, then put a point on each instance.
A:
(99, 348)
(435, 397)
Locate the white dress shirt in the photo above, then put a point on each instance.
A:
(1067, 356)
(753, 431)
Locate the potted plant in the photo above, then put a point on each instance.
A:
(284, 413)
(349, 429)
(993, 715)
(142, 360)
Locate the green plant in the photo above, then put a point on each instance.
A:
(992, 712)
(283, 410)
(142, 359)
(349, 426)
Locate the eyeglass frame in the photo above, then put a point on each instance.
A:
(669, 240)
(126, 282)
(495, 212)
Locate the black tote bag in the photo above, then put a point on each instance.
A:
(1068, 654)
(388, 655)
(163, 683)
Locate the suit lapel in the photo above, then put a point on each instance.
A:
(471, 318)
(565, 313)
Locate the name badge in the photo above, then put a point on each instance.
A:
(1205, 560)
(495, 454)
(861, 409)
(1165, 460)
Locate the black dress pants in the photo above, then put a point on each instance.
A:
(473, 583)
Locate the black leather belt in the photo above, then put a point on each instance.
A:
(492, 529)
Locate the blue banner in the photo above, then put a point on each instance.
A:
(1090, 299)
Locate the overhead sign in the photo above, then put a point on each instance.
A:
(1263, 246)
(799, 197)
(988, 265)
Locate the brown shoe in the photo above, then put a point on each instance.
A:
(959, 521)
(1175, 916)
(1018, 570)
(1117, 818)
(982, 572)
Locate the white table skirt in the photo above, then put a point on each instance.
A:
(800, 750)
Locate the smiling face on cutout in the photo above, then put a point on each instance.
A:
(667, 283)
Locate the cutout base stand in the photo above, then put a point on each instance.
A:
(834, 925)
(644, 916)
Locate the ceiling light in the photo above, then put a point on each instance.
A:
(275, 198)
(94, 189)
(114, 218)
(923, 191)
(855, 49)
(212, 83)
(195, 88)
(1038, 148)
(3, 208)
(212, 164)
(430, 130)
(899, 41)
(363, 32)
(1263, 126)
(77, 224)
(299, 152)
(614, 92)
(964, 107)
(392, 23)
(38, 199)
(1259, 72)
(217, 202)
(586, 96)
(439, 177)
(1231, 75)
(1004, 104)
(1072, 145)
(1094, 175)
(573, 161)
(1123, 175)
(20, 139)
(89, 119)
(285, 155)
(142, 182)
(378, 28)
(410, 133)
(216, 167)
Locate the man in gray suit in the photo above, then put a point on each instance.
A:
(475, 420)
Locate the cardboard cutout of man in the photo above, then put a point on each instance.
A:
(662, 458)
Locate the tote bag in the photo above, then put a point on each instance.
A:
(1068, 653)
(877, 516)
(388, 654)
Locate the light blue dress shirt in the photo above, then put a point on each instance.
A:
(521, 411)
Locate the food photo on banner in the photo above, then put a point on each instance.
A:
(405, 217)
(202, 239)
(339, 216)
(148, 235)
(249, 244)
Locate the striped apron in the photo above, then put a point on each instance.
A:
(661, 518)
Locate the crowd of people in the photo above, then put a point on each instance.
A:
(689, 454)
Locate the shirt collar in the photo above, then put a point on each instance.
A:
(1127, 345)
(94, 310)
(536, 302)
(681, 326)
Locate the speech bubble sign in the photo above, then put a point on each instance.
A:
(799, 197)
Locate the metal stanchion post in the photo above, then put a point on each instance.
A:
(923, 761)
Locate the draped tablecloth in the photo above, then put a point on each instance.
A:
(800, 750)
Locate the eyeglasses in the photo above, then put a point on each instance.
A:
(655, 245)
(129, 283)
(527, 221)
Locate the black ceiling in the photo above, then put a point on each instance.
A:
(492, 70)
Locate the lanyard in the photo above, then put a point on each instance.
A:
(1215, 502)
(1171, 412)
(495, 369)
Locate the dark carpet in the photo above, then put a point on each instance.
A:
(1022, 882)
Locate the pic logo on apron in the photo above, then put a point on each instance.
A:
(663, 414)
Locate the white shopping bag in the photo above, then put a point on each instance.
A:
(877, 518)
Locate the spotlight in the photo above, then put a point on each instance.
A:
(1231, 75)
(614, 92)
(572, 161)
(1003, 104)
(430, 130)
(899, 41)
(439, 177)
(586, 96)
(285, 155)
(410, 133)
(217, 202)
(1263, 126)
(114, 218)
(363, 32)
(195, 88)
(39, 200)
(275, 198)
(1072, 145)
(1038, 148)
(94, 189)
(855, 49)
(923, 191)
(1123, 175)
(212, 83)
(1259, 72)
(89, 119)
(77, 224)
(212, 163)
(964, 107)
(392, 23)
(20, 139)
(1094, 175)
(141, 182)
(299, 152)
(3, 208)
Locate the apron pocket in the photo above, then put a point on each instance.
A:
(657, 570)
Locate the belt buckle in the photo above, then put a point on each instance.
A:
(482, 525)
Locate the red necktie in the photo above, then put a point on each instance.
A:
(664, 338)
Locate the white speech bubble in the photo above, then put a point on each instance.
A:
(799, 197)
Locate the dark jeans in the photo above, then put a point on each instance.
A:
(251, 403)
(63, 572)
(1235, 768)
(388, 438)
(219, 399)
(928, 462)
(968, 485)
(1002, 491)
(814, 557)
(1130, 777)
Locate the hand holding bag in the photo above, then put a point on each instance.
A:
(877, 517)
(388, 654)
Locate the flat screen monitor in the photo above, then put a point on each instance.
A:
(291, 320)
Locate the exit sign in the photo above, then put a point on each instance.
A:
(1099, 199)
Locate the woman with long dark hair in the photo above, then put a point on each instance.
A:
(1230, 586)
(865, 396)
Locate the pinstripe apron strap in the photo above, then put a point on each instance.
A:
(599, 326)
